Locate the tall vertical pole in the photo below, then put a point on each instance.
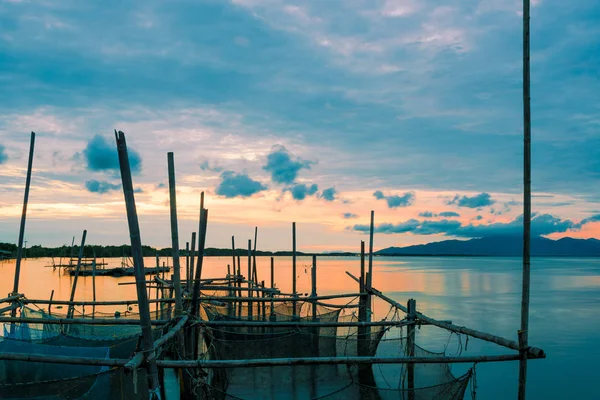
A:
(370, 273)
(313, 281)
(174, 234)
(272, 287)
(362, 344)
(250, 304)
(193, 258)
(94, 284)
(254, 273)
(524, 332)
(199, 227)
(71, 309)
(294, 268)
(410, 343)
(188, 276)
(233, 254)
(138, 266)
(23, 218)
(197, 276)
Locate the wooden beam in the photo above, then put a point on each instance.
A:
(71, 309)
(77, 321)
(174, 233)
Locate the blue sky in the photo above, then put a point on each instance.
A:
(419, 100)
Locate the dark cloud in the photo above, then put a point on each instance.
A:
(300, 191)
(541, 225)
(282, 167)
(480, 200)
(426, 214)
(161, 185)
(449, 214)
(205, 166)
(3, 155)
(328, 194)
(349, 215)
(395, 201)
(102, 156)
(479, 218)
(101, 187)
(238, 185)
(378, 195)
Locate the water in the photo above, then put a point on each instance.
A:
(481, 293)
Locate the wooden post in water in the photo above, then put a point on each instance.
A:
(362, 345)
(50, 303)
(71, 308)
(157, 287)
(239, 273)
(188, 276)
(199, 228)
(410, 343)
(370, 274)
(233, 254)
(250, 304)
(254, 273)
(272, 316)
(22, 226)
(174, 235)
(524, 332)
(192, 258)
(94, 284)
(147, 342)
(294, 311)
(198, 275)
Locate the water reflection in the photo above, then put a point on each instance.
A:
(482, 293)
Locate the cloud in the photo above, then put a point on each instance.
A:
(161, 185)
(480, 200)
(426, 214)
(449, 214)
(102, 156)
(328, 194)
(395, 201)
(300, 191)
(479, 218)
(282, 167)
(205, 166)
(541, 225)
(101, 187)
(238, 185)
(378, 195)
(349, 215)
(3, 155)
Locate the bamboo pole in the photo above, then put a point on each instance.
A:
(120, 362)
(200, 224)
(188, 276)
(157, 277)
(250, 276)
(198, 272)
(370, 273)
(94, 284)
(77, 321)
(524, 332)
(71, 309)
(272, 316)
(532, 352)
(254, 272)
(174, 234)
(410, 346)
(50, 304)
(193, 257)
(23, 219)
(12, 298)
(362, 347)
(294, 275)
(313, 292)
(147, 343)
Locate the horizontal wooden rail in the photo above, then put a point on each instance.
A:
(77, 321)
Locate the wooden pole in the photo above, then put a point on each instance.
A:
(294, 291)
(250, 276)
(272, 316)
(193, 258)
(174, 234)
(524, 332)
(239, 282)
(147, 342)
(200, 225)
(23, 218)
(362, 345)
(157, 287)
(254, 273)
(410, 346)
(370, 273)
(94, 284)
(188, 276)
(198, 274)
(233, 254)
(50, 304)
(313, 293)
(71, 309)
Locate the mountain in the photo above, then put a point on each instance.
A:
(504, 246)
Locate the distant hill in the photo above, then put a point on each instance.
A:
(504, 246)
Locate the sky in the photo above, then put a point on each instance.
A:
(314, 112)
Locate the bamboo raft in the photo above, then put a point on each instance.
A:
(216, 338)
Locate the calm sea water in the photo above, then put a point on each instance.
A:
(481, 293)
